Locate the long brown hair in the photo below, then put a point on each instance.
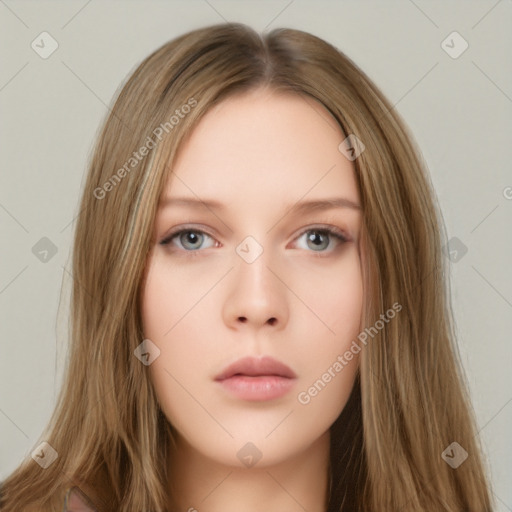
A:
(409, 402)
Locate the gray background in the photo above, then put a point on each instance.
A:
(459, 110)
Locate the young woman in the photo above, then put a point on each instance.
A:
(261, 319)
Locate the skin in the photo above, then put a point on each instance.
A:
(204, 308)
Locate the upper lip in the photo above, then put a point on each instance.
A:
(256, 367)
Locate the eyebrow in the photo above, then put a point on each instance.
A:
(298, 207)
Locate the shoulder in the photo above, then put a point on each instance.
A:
(77, 501)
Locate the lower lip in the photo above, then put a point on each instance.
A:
(265, 387)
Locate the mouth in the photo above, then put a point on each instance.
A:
(257, 379)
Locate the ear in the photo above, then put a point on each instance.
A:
(77, 501)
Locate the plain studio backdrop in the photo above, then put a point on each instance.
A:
(445, 66)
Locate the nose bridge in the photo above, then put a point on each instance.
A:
(252, 272)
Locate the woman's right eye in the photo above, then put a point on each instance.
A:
(187, 239)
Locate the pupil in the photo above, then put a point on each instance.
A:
(315, 237)
(191, 237)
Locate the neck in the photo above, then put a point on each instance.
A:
(301, 482)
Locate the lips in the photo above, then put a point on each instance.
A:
(256, 367)
(256, 379)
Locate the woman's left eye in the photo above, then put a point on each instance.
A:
(317, 239)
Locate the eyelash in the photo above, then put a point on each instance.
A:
(329, 230)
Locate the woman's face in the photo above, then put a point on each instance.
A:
(254, 280)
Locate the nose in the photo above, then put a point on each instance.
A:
(256, 295)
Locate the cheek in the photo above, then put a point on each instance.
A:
(337, 301)
(170, 305)
(334, 295)
(169, 294)
(166, 300)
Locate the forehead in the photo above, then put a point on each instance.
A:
(264, 147)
